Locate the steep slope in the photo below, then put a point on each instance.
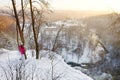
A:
(50, 67)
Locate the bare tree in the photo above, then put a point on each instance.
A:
(114, 30)
(37, 20)
(56, 38)
(18, 28)
(33, 27)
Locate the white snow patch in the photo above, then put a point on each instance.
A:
(49, 66)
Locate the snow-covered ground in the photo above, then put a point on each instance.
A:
(50, 67)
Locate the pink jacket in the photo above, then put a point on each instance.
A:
(21, 49)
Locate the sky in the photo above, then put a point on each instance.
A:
(96, 5)
(86, 4)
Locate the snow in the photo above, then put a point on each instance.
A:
(87, 55)
(93, 52)
(68, 23)
(69, 56)
(51, 66)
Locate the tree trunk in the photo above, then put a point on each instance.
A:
(23, 15)
(54, 44)
(34, 32)
(18, 26)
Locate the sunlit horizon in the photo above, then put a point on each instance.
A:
(86, 5)
(78, 5)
